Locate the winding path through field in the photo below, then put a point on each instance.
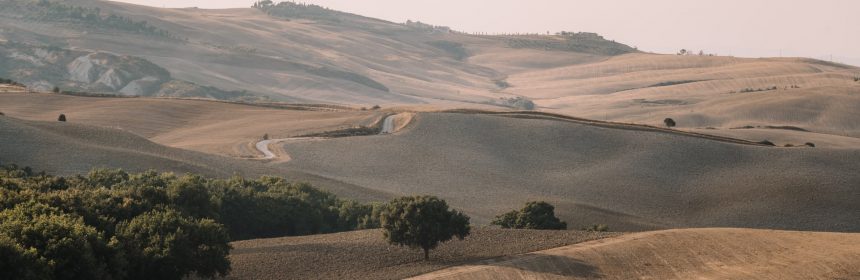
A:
(263, 146)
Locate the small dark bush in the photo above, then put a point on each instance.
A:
(1, 114)
(56, 90)
(61, 118)
(766, 142)
(810, 144)
(669, 122)
(789, 145)
(597, 227)
(535, 215)
(375, 107)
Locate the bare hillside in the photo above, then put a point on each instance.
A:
(71, 149)
(683, 254)
(366, 255)
(629, 179)
(205, 126)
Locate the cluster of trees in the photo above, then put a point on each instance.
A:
(534, 215)
(690, 52)
(111, 224)
(10, 82)
(289, 10)
(48, 10)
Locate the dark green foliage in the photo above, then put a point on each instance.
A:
(767, 143)
(56, 90)
(810, 144)
(10, 82)
(422, 222)
(65, 247)
(61, 118)
(672, 83)
(164, 244)
(669, 122)
(153, 225)
(597, 228)
(535, 215)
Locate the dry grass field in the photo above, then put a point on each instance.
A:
(682, 254)
(206, 126)
(366, 255)
(627, 178)
(606, 160)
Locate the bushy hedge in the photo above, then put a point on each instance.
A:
(111, 224)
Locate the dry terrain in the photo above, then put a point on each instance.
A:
(366, 255)
(302, 54)
(206, 126)
(631, 179)
(71, 148)
(682, 254)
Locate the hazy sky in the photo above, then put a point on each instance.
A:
(753, 28)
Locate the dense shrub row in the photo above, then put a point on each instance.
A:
(111, 224)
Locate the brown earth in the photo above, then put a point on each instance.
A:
(366, 255)
(682, 254)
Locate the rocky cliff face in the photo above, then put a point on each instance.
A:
(42, 68)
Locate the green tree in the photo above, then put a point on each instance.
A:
(61, 118)
(535, 215)
(190, 194)
(422, 222)
(16, 262)
(669, 122)
(163, 244)
(59, 245)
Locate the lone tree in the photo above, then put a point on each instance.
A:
(56, 90)
(422, 222)
(669, 122)
(535, 215)
(62, 118)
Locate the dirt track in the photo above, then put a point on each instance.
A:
(683, 254)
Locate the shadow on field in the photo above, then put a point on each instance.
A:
(554, 265)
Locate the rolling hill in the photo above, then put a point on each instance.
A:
(631, 179)
(682, 254)
(309, 54)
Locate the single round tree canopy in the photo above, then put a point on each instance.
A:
(422, 222)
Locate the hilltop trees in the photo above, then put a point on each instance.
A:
(422, 222)
(535, 215)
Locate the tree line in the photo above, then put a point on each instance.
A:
(110, 224)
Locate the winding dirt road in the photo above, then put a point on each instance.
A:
(263, 146)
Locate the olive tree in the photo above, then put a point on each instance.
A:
(422, 222)
(535, 215)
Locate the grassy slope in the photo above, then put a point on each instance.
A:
(629, 179)
(683, 254)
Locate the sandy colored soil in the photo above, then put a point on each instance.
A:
(366, 255)
(204, 126)
(682, 254)
(628, 178)
(71, 148)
